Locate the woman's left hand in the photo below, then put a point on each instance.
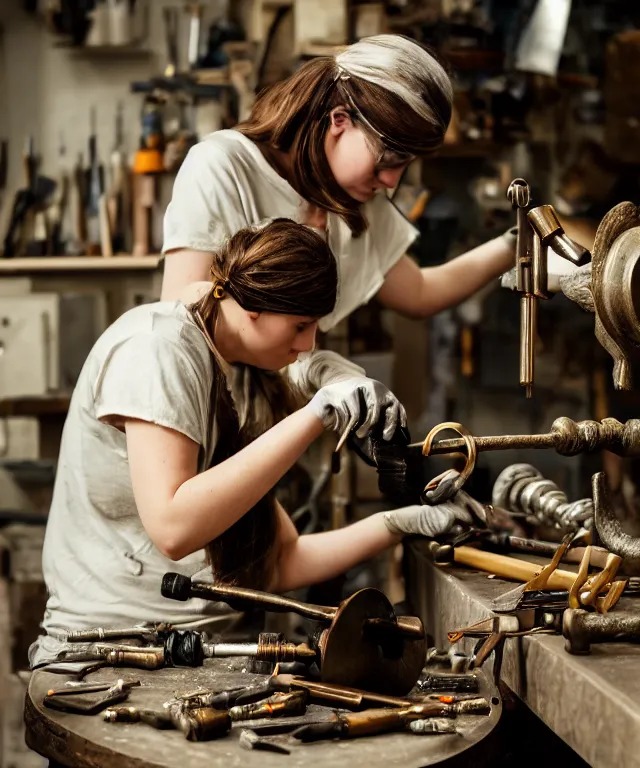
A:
(425, 520)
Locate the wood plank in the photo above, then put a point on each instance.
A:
(35, 406)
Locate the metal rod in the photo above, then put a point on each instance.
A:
(492, 443)
(540, 269)
(215, 650)
(527, 340)
(269, 601)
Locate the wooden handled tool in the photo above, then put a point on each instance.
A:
(502, 565)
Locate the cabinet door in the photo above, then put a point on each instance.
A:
(29, 358)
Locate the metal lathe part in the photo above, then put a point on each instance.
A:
(547, 227)
(521, 488)
(610, 531)
(216, 650)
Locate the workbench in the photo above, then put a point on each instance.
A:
(81, 741)
(591, 702)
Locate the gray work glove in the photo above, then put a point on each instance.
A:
(358, 402)
(317, 369)
(421, 520)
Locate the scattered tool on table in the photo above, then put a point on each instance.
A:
(251, 740)
(432, 726)
(430, 683)
(375, 721)
(64, 702)
(161, 720)
(278, 705)
(182, 648)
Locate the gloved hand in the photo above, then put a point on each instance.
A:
(317, 369)
(358, 402)
(429, 521)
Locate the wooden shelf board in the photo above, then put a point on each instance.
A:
(77, 264)
(45, 405)
(131, 50)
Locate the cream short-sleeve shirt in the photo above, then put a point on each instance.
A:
(226, 184)
(100, 567)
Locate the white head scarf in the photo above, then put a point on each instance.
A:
(399, 65)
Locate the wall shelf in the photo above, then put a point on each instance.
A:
(45, 405)
(106, 51)
(29, 265)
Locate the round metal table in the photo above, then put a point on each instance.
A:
(80, 741)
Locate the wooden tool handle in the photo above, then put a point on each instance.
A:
(510, 567)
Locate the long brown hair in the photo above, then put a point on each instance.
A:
(293, 116)
(285, 268)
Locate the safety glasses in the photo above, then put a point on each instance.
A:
(388, 159)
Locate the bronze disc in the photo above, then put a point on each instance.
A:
(358, 658)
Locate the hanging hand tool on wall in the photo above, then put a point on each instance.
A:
(28, 207)
(78, 242)
(148, 162)
(56, 211)
(99, 235)
(195, 21)
(170, 18)
(4, 170)
(119, 195)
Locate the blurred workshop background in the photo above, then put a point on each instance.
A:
(101, 100)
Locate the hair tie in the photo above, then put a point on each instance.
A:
(220, 289)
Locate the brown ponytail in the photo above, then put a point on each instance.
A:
(285, 268)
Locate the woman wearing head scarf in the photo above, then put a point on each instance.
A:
(323, 147)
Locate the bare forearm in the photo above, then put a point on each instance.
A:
(320, 556)
(208, 504)
(451, 283)
(185, 273)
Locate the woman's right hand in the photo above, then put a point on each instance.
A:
(361, 403)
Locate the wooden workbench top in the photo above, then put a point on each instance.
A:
(81, 741)
(592, 702)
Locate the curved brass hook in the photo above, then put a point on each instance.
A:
(470, 463)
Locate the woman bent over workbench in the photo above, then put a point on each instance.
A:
(178, 430)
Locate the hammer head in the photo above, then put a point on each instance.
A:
(576, 632)
(441, 553)
(175, 586)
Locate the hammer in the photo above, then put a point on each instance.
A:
(581, 628)
(500, 565)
